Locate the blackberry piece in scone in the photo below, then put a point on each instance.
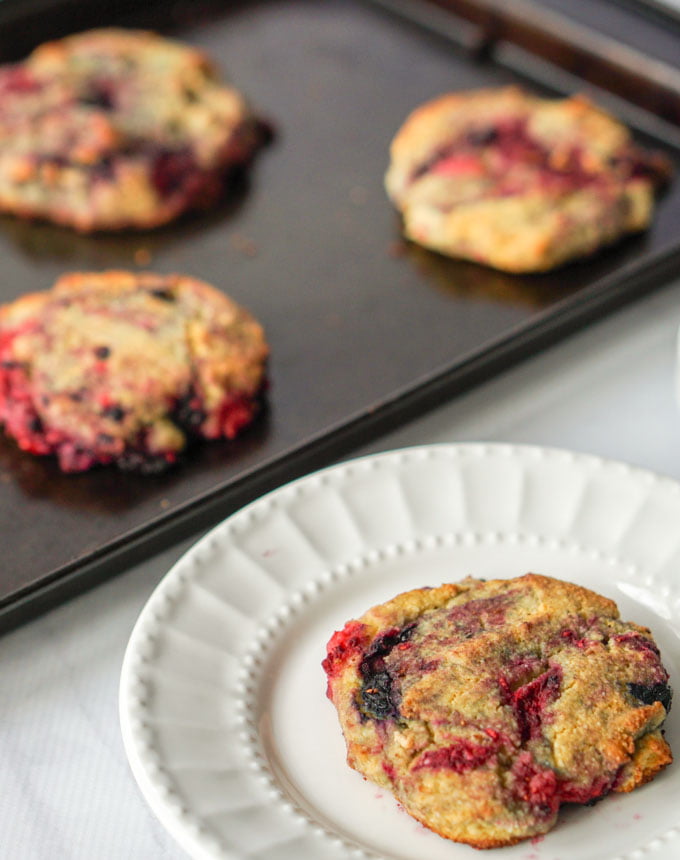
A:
(118, 129)
(484, 706)
(123, 368)
(519, 183)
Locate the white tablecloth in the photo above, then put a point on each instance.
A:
(66, 788)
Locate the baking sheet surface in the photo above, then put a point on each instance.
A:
(311, 246)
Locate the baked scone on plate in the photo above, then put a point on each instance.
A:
(485, 705)
(517, 182)
(124, 368)
(118, 129)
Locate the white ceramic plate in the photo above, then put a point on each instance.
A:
(223, 706)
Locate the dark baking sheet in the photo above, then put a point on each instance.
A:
(364, 330)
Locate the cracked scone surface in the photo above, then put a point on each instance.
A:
(126, 368)
(118, 129)
(483, 706)
(517, 182)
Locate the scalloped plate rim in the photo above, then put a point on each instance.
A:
(170, 810)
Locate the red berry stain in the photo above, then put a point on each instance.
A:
(343, 645)
(468, 619)
(543, 790)
(572, 638)
(493, 151)
(636, 642)
(530, 700)
(460, 756)
(17, 79)
(459, 164)
(235, 413)
(600, 786)
(389, 771)
(535, 785)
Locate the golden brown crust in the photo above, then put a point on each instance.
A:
(652, 754)
(485, 705)
(51, 57)
(516, 182)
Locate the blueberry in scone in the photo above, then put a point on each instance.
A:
(124, 368)
(484, 706)
(517, 182)
(113, 129)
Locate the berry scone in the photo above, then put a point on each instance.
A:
(116, 367)
(113, 129)
(517, 182)
(483, 706)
